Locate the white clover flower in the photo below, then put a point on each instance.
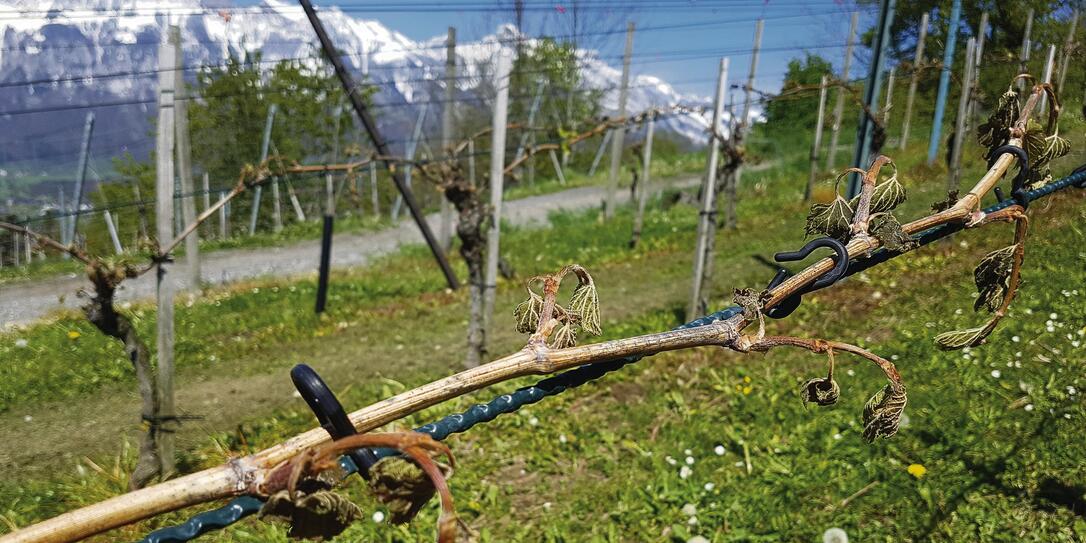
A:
(1016, 339)
(709, 487)
(837, 436)
(670, 460)
(562, 438)
(21, 343)
(836, 535)
(851, 373)
(1053, 316)
(690, 509)
(1067, 416)
(690, 460)
(996, 374)
(1028, 407)
(688, 452)
(719, 450)
(1071, 391)
(378, 517)
(533, 421)
(685, 472)
(547, 505)
(693, 521)
(697, 539)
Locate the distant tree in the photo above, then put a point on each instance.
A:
(796, 108)
(555, 65)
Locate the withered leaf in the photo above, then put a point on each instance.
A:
(958, 339)
(996, 131)
(527, 313)
(886, 228)
(882, 413)
(586, 304)
(992, 277)
(564, 337)
(822, 391)
(322, 514)
(834, 220)
(943, 205)
(751, 301)
(887, 195)
(401, 486)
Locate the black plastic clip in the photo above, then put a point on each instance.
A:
(1018, 185)
(330, 413)
(840, 267)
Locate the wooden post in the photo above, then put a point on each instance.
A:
(412, 146)
(1068, 48)
(471, 162)
(706, 222)
(164, 194)
(918, 63)
(108, 217)
(373, 190)
(81, 177)
(65, 218)
(207, 196)
(447, 134)
(866, 130)
(224, 229)
(618, 140)
(889, 102)
(497, 181)
(557, 164)
(294, 203)
(731, 218)
(960, 131)
(537, 99)
(184, 165)
(143, 235)
(15, 249)
(815, 147)
(599, 153)
(978, 61)
(646, 177)
(1027, 46)
(744, 120)
(839, 109)
(255, 212)
(1048, 73)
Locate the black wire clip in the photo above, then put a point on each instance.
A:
(840, 266)
(1018, 186)
(330, 413)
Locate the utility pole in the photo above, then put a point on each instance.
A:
(497, 181)
(1068, 48)
(960, 130)
(646, 176)
(618, 140)
(447, 112)
(944, 81)
(839, 109)
(706, 219)
(184, 164)
(1049, 62)
(164, 192)
(81, 178)
(918, 63)
(816, 146)
(412, 146)
(379, 143)
(732, 181)
(263, 156)
(871, 92)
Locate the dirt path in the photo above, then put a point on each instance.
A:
(26, 302)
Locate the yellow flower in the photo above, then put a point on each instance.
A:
(917, 470)
(746, 379)
(746, 390)
(72, 334)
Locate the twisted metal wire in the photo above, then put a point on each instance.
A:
(244, 506)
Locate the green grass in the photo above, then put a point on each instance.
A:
(997, 428)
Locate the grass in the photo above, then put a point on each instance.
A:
(996, 428)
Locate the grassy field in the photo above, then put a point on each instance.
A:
(704, 442)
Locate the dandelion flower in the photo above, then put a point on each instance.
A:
(917, 470)
(836, 535)
(746, 390)
(378, 517)
(73, 334)
(719, 450)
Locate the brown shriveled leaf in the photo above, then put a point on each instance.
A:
(834, 220)
(886, 228)
(401, 486)
(527, 313)
(996, 131)
(882, 413)
(823, 391)
(992, 277)
(958, 339)
(751, 301)
(564, 337)
(943, 205)
(320, 514)
(586, 304)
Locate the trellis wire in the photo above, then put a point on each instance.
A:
(244, 506)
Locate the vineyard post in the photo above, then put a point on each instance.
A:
(557, 164)
(412, 146)
(978, 56)
(81, 179)
(839, 109)
(1049, 62)
(326, 243)
(108, 217)
(866, 132)
(646, 176)
(64, 217)
(447, 136)
(706, 218)
(1027, 46)
(599, 153)
(164, 194)
(537, 99)
(944, 81)
(618, 140)
(502, 82)
(1068, 48)
(263, 157)
(817, 144)
(374, 196)
(732, 181)
(184, 164)
(890, 78)
(471, 162)
(224, 229)
(918, 61)
(960, 124)
(207, 194)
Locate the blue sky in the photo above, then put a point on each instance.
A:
(686, 57)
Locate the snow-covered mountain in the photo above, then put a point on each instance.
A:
(51, 42)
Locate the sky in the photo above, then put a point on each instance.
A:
(686, 56)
